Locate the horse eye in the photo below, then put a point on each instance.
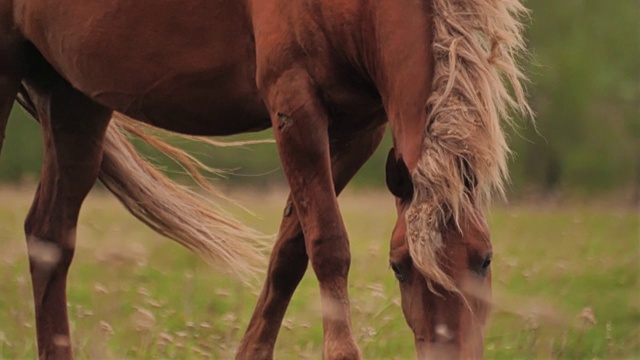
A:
(485, 265)
(397, 272)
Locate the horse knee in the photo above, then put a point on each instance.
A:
(330, 257)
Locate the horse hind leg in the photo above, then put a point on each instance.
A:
(73, 131)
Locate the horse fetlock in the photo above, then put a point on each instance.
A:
(57, 351)
(345, 349)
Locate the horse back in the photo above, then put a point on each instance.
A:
(202, 61)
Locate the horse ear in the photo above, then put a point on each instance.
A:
(398, 177)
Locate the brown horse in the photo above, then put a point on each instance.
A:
(326, 76)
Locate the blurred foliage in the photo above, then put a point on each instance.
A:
(21, 153)
(585, 90)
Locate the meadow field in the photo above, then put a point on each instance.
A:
(565, 285)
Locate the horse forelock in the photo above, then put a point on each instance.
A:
(476, 85)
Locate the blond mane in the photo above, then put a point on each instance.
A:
(476, 83)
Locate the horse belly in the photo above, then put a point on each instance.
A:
(184, 65)
(201, 107)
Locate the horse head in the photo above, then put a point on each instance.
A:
(449, 158)
(446, 290)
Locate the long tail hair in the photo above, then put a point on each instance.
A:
(174, 210)
(169, 208)
(477, 82)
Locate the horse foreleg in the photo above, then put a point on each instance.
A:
(287, 265)
(73, 130)
(300, 124)
(289, 260)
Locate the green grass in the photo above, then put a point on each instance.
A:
(133, 294)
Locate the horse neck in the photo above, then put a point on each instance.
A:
(386, 41)
(403, 71)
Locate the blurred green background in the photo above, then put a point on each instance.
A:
(585, 90)
(565, 278)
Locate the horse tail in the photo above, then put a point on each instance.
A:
(173, 210)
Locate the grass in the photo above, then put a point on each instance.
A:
(565, 283)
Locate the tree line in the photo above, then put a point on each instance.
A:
(584, 68)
